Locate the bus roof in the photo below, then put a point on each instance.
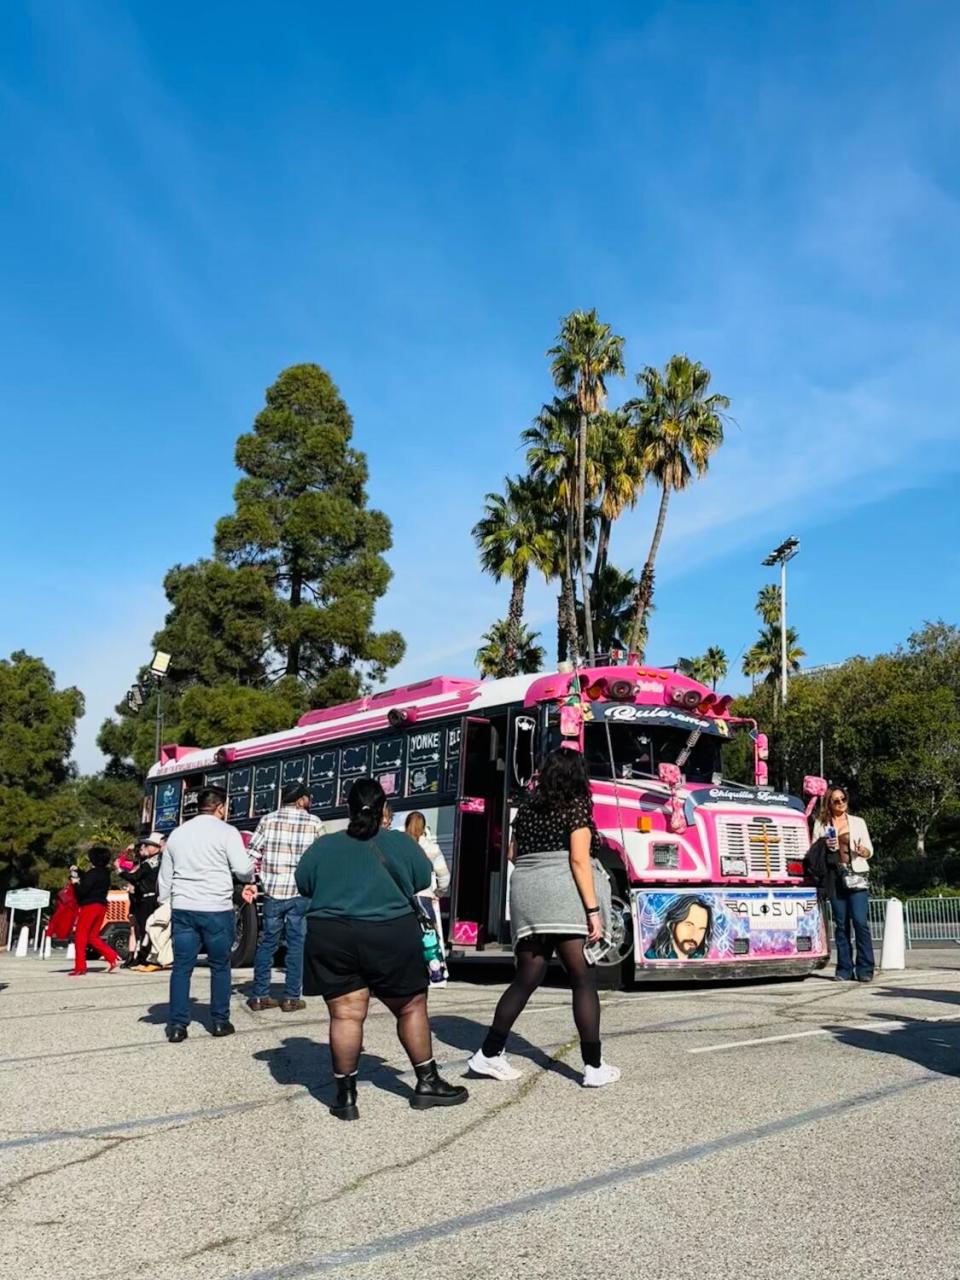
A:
(426, 701)
(433, 699)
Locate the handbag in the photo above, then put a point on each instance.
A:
(854, 879)
(430, 947)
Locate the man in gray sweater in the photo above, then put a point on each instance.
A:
(200, 863)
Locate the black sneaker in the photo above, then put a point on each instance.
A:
(222, 1029)
(176, 1033)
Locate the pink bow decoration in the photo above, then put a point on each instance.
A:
(814, 788)
(670, 774)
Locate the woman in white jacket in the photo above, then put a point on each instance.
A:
(848, 847)
(416, 827)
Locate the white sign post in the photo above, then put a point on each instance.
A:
(26, 900)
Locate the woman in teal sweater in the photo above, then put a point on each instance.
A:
(363, 937)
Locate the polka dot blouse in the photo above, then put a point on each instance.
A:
(538, 828)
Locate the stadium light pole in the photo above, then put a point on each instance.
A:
(158, 669)
(780, 555)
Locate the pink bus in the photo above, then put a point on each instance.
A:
(706, 874)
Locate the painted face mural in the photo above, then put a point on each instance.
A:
(732, 924)
(685, 932)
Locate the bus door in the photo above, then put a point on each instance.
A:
(476, 908)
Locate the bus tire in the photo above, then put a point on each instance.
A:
(620, 975)
(247, 931)
(116, 935)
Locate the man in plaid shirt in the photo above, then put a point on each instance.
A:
(277, 846)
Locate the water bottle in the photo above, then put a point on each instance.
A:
(433, 956)
(831, 834)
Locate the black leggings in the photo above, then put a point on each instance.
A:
(533, 957)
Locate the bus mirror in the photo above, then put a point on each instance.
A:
(523, 756)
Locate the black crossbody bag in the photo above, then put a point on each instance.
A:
(426, 923)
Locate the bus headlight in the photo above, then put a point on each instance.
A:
(665, 854)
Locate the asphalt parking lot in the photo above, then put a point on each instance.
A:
(785, 1129)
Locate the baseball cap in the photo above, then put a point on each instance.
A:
(153, 838)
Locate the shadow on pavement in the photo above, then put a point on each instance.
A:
(298, 1060)
(467, 1035)
(919, 993)
(931, 1045)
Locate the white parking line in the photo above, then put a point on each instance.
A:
(880, 1027)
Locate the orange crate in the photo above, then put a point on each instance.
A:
(118, 906)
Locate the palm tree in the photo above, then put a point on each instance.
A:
(679, 426)
(612, 443)
(612, 604)
(754, 664)
(768, 604)
(512, 540)
(715, 666)
(506, 652)
(763, 658)
(552, 459)
(586, 353)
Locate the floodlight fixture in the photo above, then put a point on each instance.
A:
(786, 551)
(160, 664)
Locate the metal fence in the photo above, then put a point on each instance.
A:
(925, 920)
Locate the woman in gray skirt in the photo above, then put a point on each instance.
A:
(554, 906)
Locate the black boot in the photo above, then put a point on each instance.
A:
(345, 1107)
(433, 1091)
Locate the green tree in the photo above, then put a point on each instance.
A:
(679, 426)
(768, 604)
(281, 619)
(505, 652)
(551, 445)
(301, 518)
(37, 726)
(916, 737)
(763, 658)
(512, 538)
(586, 354)
(612, 607)
(612, 442)
(709, 669)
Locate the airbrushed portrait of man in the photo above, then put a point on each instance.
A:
(685, 932)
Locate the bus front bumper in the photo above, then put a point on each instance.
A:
(726, 931)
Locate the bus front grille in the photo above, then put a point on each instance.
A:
(765, 844)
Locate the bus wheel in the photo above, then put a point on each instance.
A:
(615, 969)
(116, 935)
(245, 941)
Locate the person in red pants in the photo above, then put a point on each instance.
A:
(91, 888)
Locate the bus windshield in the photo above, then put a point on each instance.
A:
(638, 750)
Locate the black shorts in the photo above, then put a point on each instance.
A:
(343, 955)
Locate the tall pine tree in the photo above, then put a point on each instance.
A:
(282, 618)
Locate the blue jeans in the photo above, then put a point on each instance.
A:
(288, 917)
(852, 909)
(193, 931)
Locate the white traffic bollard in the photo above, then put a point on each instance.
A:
(23, 942)
(893, 954)
(46, 947)
(71, 952)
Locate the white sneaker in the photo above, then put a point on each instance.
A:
(597, 1077)
(498, 1067)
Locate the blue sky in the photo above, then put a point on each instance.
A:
(198, 195)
